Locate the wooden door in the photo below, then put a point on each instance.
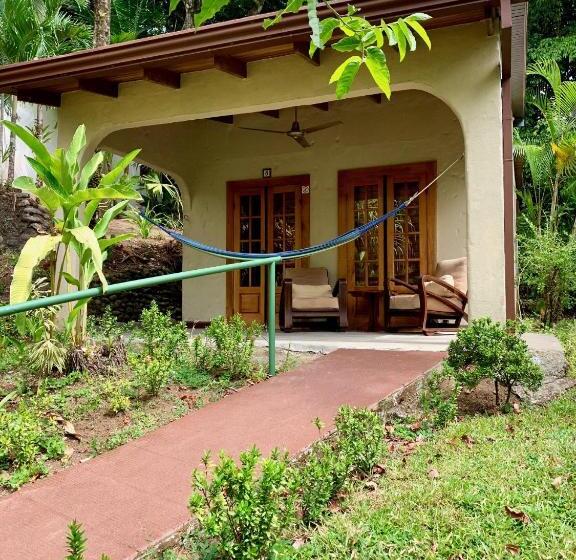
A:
(265, 216)
(249, 223)
(404, 247)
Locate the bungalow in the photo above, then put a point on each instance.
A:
(191, 100)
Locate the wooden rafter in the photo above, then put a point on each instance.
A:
(231, 65)
(273, 113)
(99, 87)
(226, 119)
(40, 97)
(163, 77)
(302, 48)
(322, 106)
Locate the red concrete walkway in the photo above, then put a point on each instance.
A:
(131, 497)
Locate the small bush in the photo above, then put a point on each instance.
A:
(164, 338)
(244, 508)
(151, 373)
(490, 350)
(226, 347)
(547, 265)
(566, 333)
(27, 438)
(360, 438)
(116, 393)
(439, 400)
(357, 447)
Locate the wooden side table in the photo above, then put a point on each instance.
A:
(373, 296)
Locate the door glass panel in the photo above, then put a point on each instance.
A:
(407, 258)
(283, 228)
(251, 227)
(367, 248)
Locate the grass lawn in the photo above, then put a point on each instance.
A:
(487, 487)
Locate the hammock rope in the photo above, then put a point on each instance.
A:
(347, 237)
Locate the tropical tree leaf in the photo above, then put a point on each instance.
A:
(292, 7)
(33, 253)
(314, 22)
(408, 34)
(88, 241)
(38, 149)
(376, 63)
(76, 146)
(89, 169)
(346, 75)
(337, 74)
(112, 176)
(107, 243)
(107, 193)
(347, 44)
(209, 9)
(101, 227)
(417, 27)
(49, 199)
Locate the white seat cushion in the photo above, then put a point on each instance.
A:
(411, 302)
(304, 291)
(315, 304)
(437, 289)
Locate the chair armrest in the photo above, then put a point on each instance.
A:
(286, 293)
(429, 278)
(410, 287)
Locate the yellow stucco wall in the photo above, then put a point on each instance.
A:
(414, 127)
(462, 70)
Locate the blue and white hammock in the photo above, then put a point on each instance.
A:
(347, 237)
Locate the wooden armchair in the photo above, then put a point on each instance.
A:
(436, 304)
(307, 295)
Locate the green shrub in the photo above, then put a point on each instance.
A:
(321, 477)
(547, 266)
(244, 509)
(226, 347)
(360, 438)
(490, 350)
(164, 338)
(438, 399)
(116, 393)
(357, 447)
(151, 373)
(27, 438)
(76, 543)
(105, 327)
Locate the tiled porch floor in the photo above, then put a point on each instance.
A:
(325, 341)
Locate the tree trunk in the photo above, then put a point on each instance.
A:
(189, 14)
(12, 148)
(101, 23)
(2, 115)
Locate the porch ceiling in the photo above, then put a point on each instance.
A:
(228, 46)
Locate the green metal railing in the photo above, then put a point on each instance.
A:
(68, 297)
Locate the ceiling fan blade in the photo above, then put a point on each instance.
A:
(322, 127)
(263, 130)
(302, 141)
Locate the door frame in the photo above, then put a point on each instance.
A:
(425, 170)
(232, 187)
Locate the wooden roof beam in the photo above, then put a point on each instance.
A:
(273, 113)
(99, 87)
(231, 65)
(302, 48)
(163, 77)
(322, 106)
(377, 98)
(40, 97)
(226, 119)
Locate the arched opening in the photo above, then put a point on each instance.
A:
(217, 159)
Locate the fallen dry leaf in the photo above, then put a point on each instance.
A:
(298, 543)
(433, 473)
(510, 429)
(513, 549)
(516, 408)
(389, 428)
(517, 514)
(468, 440)
(371, 485)
(379, 469)
(416, 426)
(70, 430)
(557, 482)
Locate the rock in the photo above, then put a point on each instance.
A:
(548, 353)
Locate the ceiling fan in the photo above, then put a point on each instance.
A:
(296, 132)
